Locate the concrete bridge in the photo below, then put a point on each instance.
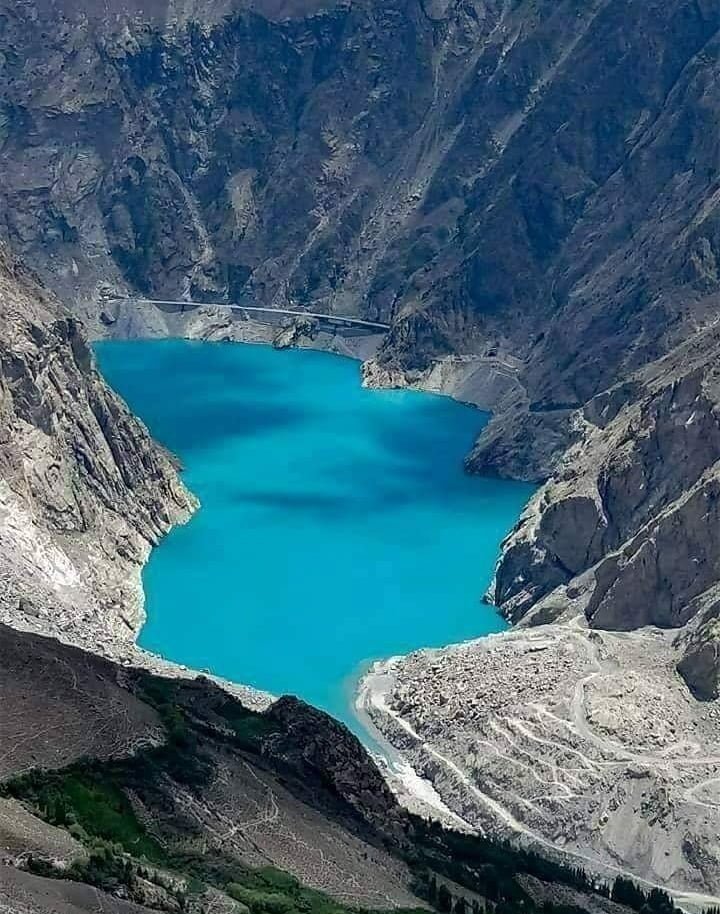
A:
(352, 322)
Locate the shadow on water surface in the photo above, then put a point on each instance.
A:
(321, 506)
(221, 421)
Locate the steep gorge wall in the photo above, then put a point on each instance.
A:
(84, 491)
(626, 531)
(533, 177)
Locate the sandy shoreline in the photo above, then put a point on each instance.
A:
(414, 792)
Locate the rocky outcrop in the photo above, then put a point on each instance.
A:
(325, 753)
(700, 666)
(294, 332)
(630, 518)
(84, 491)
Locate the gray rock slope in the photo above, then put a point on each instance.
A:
(221, 800)
(84, 491)
(628, 524)
(214, 802)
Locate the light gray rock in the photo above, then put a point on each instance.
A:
(84, 491)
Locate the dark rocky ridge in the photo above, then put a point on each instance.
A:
(217, 789)
(246, 799)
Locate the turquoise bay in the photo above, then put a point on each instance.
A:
(337, 525)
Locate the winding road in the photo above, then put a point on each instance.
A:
(376, 698)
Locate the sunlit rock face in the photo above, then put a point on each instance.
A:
(84, 491)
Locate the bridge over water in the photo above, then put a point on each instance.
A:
(339, 319)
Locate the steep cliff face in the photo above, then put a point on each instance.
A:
(515, 176)
(532, 183)
(627, 529)
(525, 179)
(84, 491)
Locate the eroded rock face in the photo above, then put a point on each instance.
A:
(700, 667)
(561, 737)
(530, 185)
(476, 172)
(84, 491)
(642, 543)
(294, 332)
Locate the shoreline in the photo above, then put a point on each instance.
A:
(412, 790)
(494, 813)
(485, 382)
(371, 694)
(255, 333)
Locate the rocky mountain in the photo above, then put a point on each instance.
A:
(527, 191)
(167, 794)
(530, 175)
(84, 491)
(125, 791)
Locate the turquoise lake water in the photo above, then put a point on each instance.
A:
(337, 525)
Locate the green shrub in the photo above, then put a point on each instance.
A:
(261, 902)
(90, 806)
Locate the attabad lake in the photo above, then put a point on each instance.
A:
(337, 525)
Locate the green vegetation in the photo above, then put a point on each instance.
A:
(625, 891)
(87, 802)
(249, 727)
(488, 867)
(91, 800)
(103, 868)
(270, 891)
